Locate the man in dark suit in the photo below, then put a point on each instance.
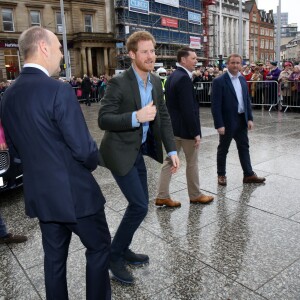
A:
(136, 123)
(43, 122)
(184, 112)
(232, 113)
(86, 87)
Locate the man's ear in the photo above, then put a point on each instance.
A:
(131, 54)
(43, 47)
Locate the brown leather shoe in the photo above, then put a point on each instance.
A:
(13, 238)
(222, 180)
(202, 199)
(167, 202)
(254, 179)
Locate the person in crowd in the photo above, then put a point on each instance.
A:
(162, 73)
(86, 87)
(262, 69)
(247, 72)
(136, 123)
(256, 87)
(44, 125)
(198, 86)
(184, 112)
(207, 79)
(5, 236)
(295, 87)
(232, 114)
(285, 86)
(272, 85)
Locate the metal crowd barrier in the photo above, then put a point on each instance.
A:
(203, 91)
(94, 95)
(289, 94)
(262, 93)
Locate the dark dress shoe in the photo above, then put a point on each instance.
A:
(119, 272)
(13, 238)
(222, 180)
(254, 179)
(135, 258)
(167, 202)
(202, 199)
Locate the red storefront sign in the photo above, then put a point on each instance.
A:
(169, 22)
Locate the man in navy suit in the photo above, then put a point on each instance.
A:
(184, 112)
(136, 123)
(232, 113)
(44, 124)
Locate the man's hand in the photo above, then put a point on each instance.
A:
(250, 125)
(3, 146)
(221, 130)
(146, 113)
(175, 163)
(197, 141)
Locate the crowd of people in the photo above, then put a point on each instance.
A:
(267, 83)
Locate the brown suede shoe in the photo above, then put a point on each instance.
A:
(13, 238)
(167, 202)
(254, 179)
(202, 199)
(222, 180)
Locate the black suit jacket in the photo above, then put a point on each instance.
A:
(43, 121)
(121, 142)
(225, 103)
(182, 105)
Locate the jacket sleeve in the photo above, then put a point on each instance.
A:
(109, 117)
(216, 103)
(72, 125)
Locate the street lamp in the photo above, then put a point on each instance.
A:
(66, 54)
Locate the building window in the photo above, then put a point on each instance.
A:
(254, 17)
(88, 26)
(35, 18)
(262, 44)
(271, 45)
(262, 31)
(7, 19)
(11, 60)
(267, 44)
(59, 26)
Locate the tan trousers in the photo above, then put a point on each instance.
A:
(192, 171)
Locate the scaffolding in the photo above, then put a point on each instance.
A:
(206, 25)
(169, 38)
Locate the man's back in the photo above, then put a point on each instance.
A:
(57, 152)
(182, 105)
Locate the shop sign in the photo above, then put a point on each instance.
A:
(195, 42)
(169, 22)
(194, 18)
(139, 6)
(4, 44)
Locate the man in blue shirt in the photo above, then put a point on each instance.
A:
(133, 128)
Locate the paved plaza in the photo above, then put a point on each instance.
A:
(244, 245)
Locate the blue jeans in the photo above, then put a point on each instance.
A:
(3, 231)
(135, 189)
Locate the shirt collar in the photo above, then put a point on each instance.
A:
(138, 77)
(232, 76)
(189, 72)
(31, 65)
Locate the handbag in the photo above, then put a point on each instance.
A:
(79, 92)
(294, 87)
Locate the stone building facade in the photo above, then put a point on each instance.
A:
(89, 28)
